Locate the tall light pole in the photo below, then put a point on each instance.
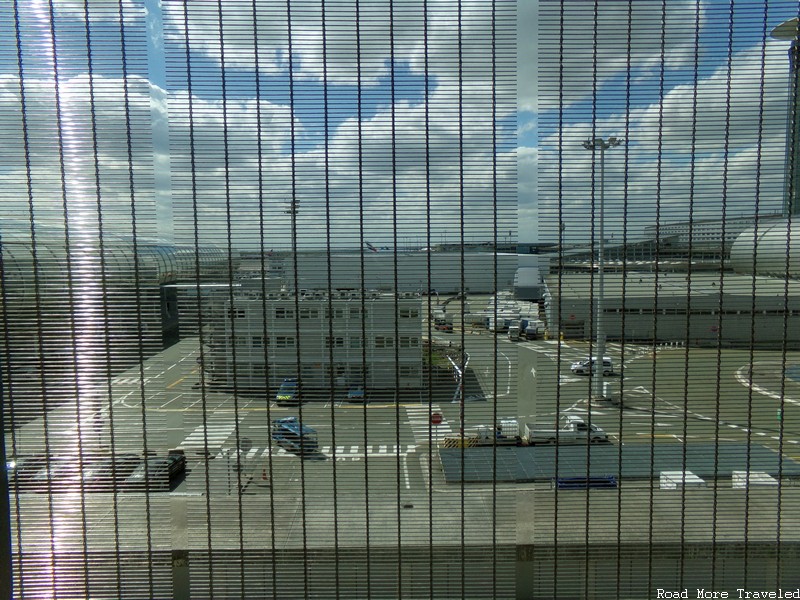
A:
(788, 31)
(602, 145)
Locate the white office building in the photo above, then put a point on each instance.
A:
(341, 339)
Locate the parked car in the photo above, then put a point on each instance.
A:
(586, 366)
(355, 394)
(157, 472)
(293, 435)
(289, 392)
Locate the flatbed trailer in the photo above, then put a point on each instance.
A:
(289, 433)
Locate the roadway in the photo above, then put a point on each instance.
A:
(372, 472)
(671, 393)
(226, 435)
(376, 483)
(376, 480)
(383, 442)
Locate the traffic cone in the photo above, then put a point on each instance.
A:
(264, 477)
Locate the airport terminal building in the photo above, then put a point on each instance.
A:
(702, 309)
(749, 293)
(103, 303)
(476, 272)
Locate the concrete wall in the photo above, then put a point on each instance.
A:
(639, 570)
(525, 571)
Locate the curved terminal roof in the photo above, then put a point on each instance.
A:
(771, 249)
(41, 258)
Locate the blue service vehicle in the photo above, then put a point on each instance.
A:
(289, 392)
(355, 394)
(289, 433)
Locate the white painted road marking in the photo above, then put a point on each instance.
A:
(419, 419)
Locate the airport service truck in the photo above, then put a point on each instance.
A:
(507, 433)
(574, 431)
(525, 329)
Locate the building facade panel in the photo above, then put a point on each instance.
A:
(701, 309)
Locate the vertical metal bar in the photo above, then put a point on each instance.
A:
(6, 572)
(192, 150)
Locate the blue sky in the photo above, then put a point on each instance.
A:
(400, 181)
(703, 115)
(676, 94)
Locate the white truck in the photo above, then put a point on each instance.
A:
(574, 431)
(586, 366)
(526, 328)
(507, 433)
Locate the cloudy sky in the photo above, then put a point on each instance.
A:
(697, 90)
(380, 125)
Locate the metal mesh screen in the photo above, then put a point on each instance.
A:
(249, 254)
(666, 208)
(399, 299)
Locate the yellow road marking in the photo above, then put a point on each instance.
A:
(354, 405)
(176, 382)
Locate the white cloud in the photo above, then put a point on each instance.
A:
(389, 178)
(528, 162)
(334, 49)
(725, 108)
(429, 170)
(596, 46)
(69, 149)
(702, 151)
(527, 55)
(466, 94)
(239, 173)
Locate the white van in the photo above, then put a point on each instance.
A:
(586, 366)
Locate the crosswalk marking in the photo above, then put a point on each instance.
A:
(353, 452)
(419, 419)
(129, 381)
(217, 434)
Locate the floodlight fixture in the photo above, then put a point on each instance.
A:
(788, 31)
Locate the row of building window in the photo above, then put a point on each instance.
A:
(352, 374)
(355, 312)
(683, 311)
(353, 342)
